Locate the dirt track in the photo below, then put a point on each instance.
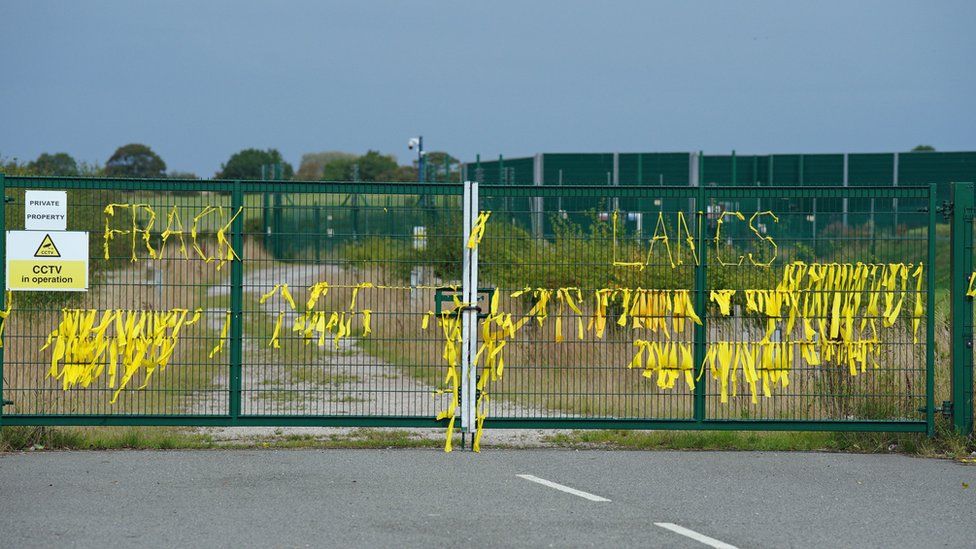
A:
(347, 381)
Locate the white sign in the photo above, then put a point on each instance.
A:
(45, 210)
(54, 261)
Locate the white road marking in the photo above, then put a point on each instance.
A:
(701, 538)
(561, 488)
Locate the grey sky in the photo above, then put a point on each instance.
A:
(198, 81)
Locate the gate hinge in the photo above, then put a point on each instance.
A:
(8, 402)
(8, 199)
(946, 209)
(945, 409)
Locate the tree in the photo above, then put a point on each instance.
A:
(313, 164)
(340, 169)
(54, 164)
(182, 175)
(246, 164)
(135, 160)
(923, 148)
(401, 173)
(372, 166)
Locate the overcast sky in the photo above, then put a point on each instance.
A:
(199, 80)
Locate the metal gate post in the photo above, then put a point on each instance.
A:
(472, 312)
(469, 315)
(930, 319)
(3, 276)
(236, 302)
(961, 257)
(701, 302)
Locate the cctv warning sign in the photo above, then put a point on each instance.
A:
(47, 248)
(47, 261)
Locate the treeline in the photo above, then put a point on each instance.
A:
(138, 160)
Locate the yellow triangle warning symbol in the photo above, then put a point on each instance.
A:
(47, 248)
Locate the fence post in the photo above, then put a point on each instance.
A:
(537, 203)
(466, 223)
(3, 276)
(236, 301)
(701, 302)
(276, 221)
(845, 201)
(930, 319)
(961, 258)
(469, 315)
(266, 221)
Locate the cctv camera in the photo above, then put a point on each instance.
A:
(413, 142)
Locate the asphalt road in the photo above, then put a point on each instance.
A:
(398, 498)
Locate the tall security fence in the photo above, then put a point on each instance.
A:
(847, 170)
(473, 306)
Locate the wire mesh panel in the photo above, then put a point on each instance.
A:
(587, 292)
(827, 326)
(962, 288)
(677, 307)
(337, 301)
(139, 341)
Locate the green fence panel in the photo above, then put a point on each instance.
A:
(250, 358)
(364, 263)
(567, 381)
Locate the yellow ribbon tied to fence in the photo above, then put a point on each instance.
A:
(450, 323)
(722, 298)
(478, 230)
(142, 341)
(5, 314)
(219, 347)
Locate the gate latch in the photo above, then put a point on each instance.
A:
(445, 295)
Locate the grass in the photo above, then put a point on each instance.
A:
(99, 438)
(14, 439)
(945, 444)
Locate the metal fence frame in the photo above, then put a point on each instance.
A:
(700, 195)
(960, 211)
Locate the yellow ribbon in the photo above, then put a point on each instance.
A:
(478, 230)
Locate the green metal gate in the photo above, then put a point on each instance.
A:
(243, 362)
(592, 281)
(610, 241)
